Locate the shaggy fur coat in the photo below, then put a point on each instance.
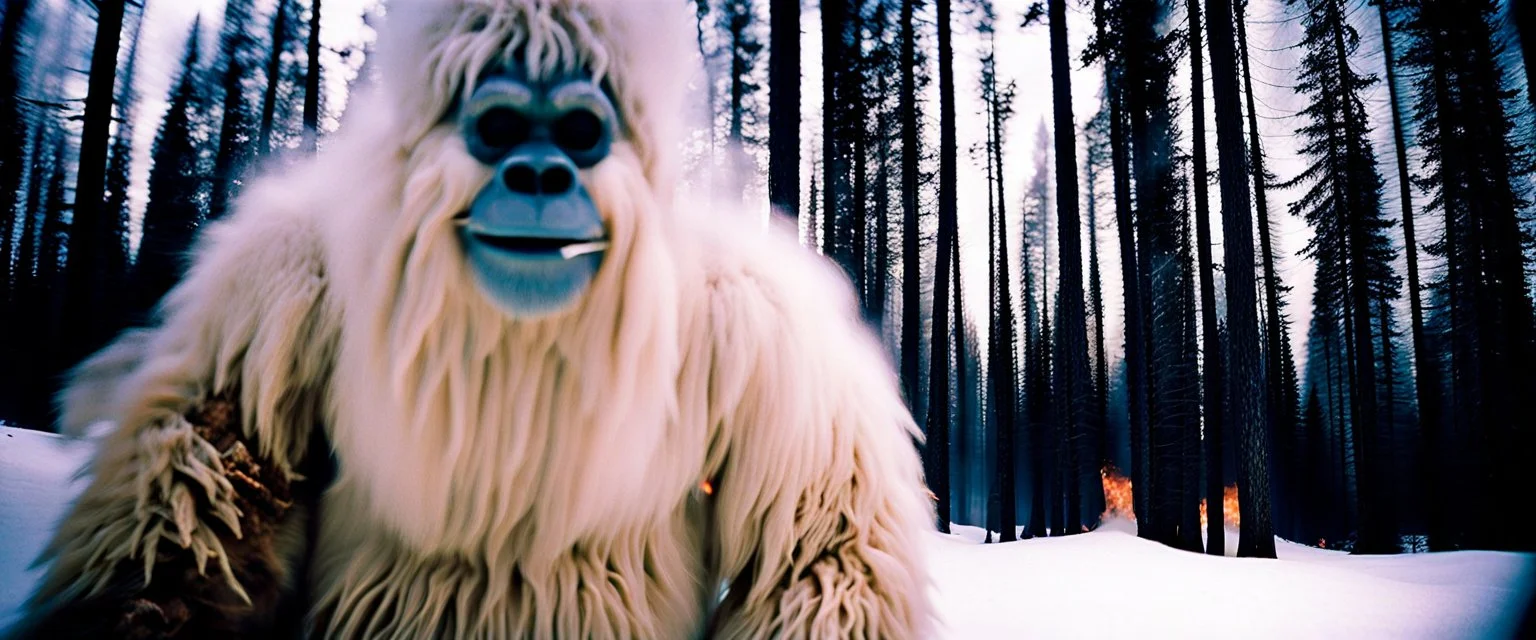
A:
(710, 413)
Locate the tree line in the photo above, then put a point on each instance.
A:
(74, 274)
(1397, 427)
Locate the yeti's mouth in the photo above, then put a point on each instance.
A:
(531, 246)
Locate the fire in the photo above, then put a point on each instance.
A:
(1118, 499)
(1228, 507)
(707, 487)
(1117, 494)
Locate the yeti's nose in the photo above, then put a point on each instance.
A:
(539, 170)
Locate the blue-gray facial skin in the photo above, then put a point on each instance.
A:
(533, 237)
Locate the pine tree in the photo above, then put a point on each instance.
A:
(1476, 174)
(1343, 205)
(1149, 58)
(175, 185)
(282, 37)
(119, 181)
(1002, 366)
(86, 321)
(1426, 361)
(1074, 382)
(238, 53)
(739, 27)
(1244, 391)
(1281, 395)
(1109, 48)
(1094, 161)
(1213, 375)
(1037, 389)
(945, 267)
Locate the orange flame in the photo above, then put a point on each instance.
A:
(1118, 499)
(1117, 494)
(1228, 507)
(707, 487)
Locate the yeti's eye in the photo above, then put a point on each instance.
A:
(578, 131)
(502, 128)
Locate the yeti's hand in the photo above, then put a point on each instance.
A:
(189, 527)
(819, 503)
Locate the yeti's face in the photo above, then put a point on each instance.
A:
(533, 237)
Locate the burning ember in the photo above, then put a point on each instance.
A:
(1118, 499)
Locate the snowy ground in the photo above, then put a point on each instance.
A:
(1103, 584)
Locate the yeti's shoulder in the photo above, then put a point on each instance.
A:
(760, 280)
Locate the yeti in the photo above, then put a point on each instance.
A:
(474, 371)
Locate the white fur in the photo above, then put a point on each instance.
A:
(504, 478)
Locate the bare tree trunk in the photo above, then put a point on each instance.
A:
(274, 77)
(1426, 361)
(1076, 386)
(312, 82)
(1245, 393)
(938, 377)
(784, 107)
(911, 305)
(1214, 387)
(89, 232)
(833, 27)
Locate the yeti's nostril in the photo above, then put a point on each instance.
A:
(556, 180)
(521, 179)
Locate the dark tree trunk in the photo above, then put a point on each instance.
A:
(274, 78)
(1245, 394)
(1135, 341)
(784, 107)
(1004, 367)
(833, 66)
(939, 363)
(116, 209)
(312, 82)
(911, 305)
(90, 229)
(1280, 393)
(1426, 361)
(1214, 390)
(1474, 164)
(13, 133)
(1076, 386)
(1099, 418)
(859, 220)
(1148, 75)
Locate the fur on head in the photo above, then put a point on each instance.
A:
(437, 385)
(433, 51)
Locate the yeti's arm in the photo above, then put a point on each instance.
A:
(819, 504)
(185, 527)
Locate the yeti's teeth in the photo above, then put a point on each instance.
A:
(580, 249)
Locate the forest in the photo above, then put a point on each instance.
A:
(1121, 340)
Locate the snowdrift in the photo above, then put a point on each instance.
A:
(1102, 584)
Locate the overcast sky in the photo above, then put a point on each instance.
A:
(1023, 57)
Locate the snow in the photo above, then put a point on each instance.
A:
(38, 480)
(1108, 583)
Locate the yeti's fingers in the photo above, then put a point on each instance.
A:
(214, 409)
(819, 503)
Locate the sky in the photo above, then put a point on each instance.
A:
(1023, 57)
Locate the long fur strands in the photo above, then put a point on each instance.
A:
(501, 477)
